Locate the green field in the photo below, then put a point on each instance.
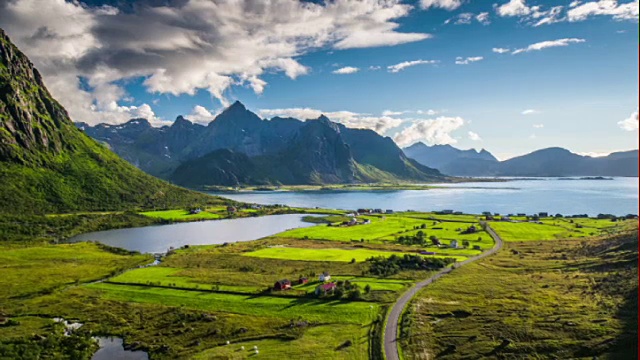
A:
(42, 269)
(550, 299)
(326, 254)
(552, 229)
(185, 215)
(202, 296)
(380, 227)
(320, 311)
(470, 218)
(319, 342)
(166, 276)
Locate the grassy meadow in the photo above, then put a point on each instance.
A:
(550, 299)
(200, 297)
(559, 228)
(346, 255)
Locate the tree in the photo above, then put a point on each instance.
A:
(465, 243)
(367, 289)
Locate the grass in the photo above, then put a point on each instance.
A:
(544, 299)
(314, 310)
(35, 270)
(302, 254)
(167, 276)
(470, 218)
(553, 229)
(319, 342)
(184, 215)
(380, 227)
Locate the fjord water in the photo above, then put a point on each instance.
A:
(158, 239)
(618, 196)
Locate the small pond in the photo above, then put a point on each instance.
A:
(158, 239)
(112, 348)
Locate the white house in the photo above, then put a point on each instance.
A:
(453, 244)
(324, 277)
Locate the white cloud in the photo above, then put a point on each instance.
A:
(625, 11)
(464, 18)
(199, 114)
(513, 8)
(392, 113)
(538, 126)
(473, 136)
(467, 61)
(380, 124)
(405, 64)
(374, 67)
(432, 131)
(547, 17)
(429, 112)
(548, 44)
(530, 111)
(630, 123)
(577, 11)
(483, 18)
(443, 4)
(500, 50)
(532, 136)
(232, 43)
(531, 15)
(346, 70)
(467, 18)
(593, 153)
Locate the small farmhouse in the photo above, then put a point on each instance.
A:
(303, 280)
(324, 277)
(453, 244)
(282, 285)
(325, 288)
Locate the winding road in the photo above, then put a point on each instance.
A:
(391, 330)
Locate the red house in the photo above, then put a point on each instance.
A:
(282, 285)
(325, 288)
(303, 280)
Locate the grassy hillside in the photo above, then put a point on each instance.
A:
(563, 299)
(47, 165)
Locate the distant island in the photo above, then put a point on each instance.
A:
(588, 178)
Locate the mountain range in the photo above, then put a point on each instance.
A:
(48, 166)
(553, 161)
(238, 147)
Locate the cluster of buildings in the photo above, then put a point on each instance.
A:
(324, 287)
(373, 211)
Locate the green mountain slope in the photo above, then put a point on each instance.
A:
(47, 165)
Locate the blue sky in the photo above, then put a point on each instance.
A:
(566, 75)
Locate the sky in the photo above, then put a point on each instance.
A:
(510, 76)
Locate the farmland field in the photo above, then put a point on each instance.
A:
(318, 342)
(551, 229)
(346, 255)
(185, 215)
(23, 272)
(267, 306)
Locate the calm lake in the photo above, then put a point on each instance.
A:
(158, 239)
(618, 196)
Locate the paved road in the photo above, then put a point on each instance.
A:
(391, 331)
